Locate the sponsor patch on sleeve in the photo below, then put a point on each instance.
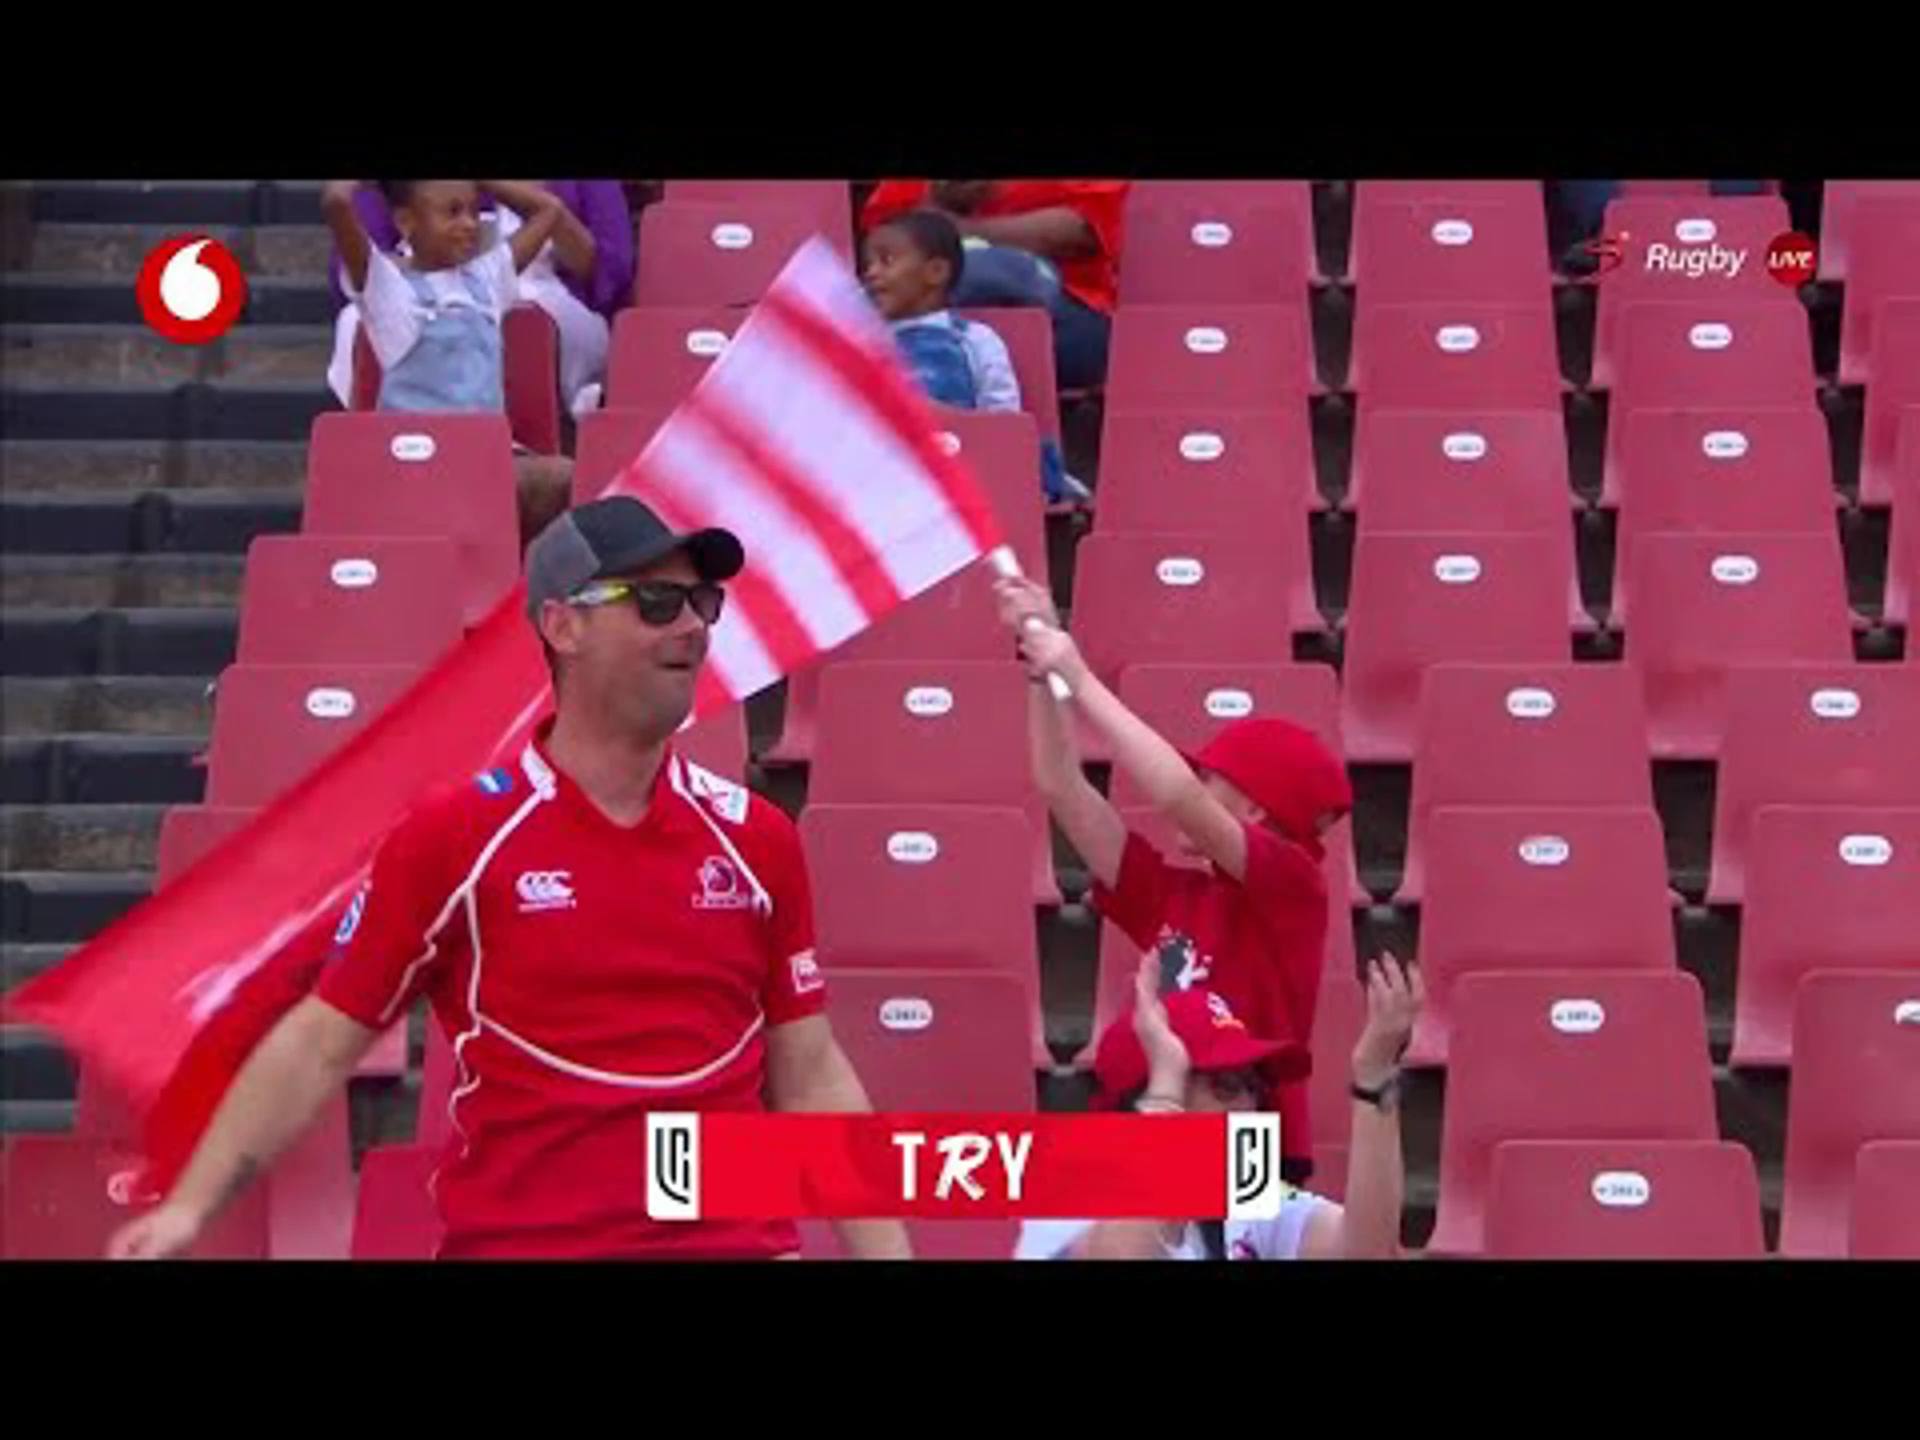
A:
(806, 973)
(494, 782)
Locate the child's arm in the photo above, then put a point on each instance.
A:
(1160, 771)
(997, 385)
(356, 246)
(1090, 822)
(538, 207)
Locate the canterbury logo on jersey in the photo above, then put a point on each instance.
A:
(545, 890)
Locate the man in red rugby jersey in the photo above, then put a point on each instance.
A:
(604, 927)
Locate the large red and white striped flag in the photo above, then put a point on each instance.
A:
(807, 438)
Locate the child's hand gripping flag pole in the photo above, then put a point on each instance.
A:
(807, 438)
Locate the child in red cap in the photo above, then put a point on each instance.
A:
(1254, 804)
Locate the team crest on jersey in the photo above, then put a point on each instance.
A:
(494, 782)
(721, 886)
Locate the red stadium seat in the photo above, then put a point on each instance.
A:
(1886, 1221)
(1237, 254)
(421, 476)
(1886, 237)
(1856, 1078)
(1706, 604)
(1425, 600)
(1372, 195)
(1206, 471)
(828, 204)
(1664, 456)
(1665, 236)
(1579, 1055)
(1501, 450)
(311, 1190)
(1422, 250)
(956, 619)
(1568, 737)
(395, 1218)
(1337, 1023)
(1623, 1200)
(1903, 544)
(1828, 887)
(1028, 335)
(930, 732)
(102, 1112)
(188, 832)
(1837, 217)
(272, 724)
(1708, 353)
(1455, 355)
(1810, 735)
(62, 1198)
(1490, 500)
(1895, 389)
(1120, 957)
(1537, 889)
(1198, 202)
(607, 441)
(530, 377)
(931, 1040)
(329, 600)
(1191, 599)
(660, 353)
(1226, 357)
(926, 887)
(705, 254)
(1698, 469)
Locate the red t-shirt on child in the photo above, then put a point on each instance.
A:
(1261, 945)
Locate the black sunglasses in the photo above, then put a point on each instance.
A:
(658, 602)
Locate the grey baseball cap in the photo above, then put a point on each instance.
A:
(616, 536)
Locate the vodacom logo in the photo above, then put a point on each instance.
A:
(191, 289)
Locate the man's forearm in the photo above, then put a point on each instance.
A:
(1376, 1182)
(1057, 233)
(273, 1099)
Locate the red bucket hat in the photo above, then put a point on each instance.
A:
(1215, 1039)
(1285, 769)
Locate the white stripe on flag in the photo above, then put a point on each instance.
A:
(844, 452)
(736, 655)
(705, 477)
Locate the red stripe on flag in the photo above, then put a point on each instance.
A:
(890, 396)
(774, 620)
(1098, 1167)
(859, 564)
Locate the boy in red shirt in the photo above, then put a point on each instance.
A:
(1050, 243)
(1254, 803)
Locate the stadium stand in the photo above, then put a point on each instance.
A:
(174, 517)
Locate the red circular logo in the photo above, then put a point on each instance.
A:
(1790, 258)
(191, 289)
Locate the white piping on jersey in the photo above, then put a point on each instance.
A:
(631, 1082)
(762, 901)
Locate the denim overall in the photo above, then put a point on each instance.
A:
(458, 361)
(937, 355)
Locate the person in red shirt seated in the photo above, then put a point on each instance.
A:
(1051, 243)
(605, 929)
(1254, 804)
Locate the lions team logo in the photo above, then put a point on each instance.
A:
(721, 886)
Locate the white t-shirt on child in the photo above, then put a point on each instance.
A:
(392, 312)
(994, 382)
(1276, 1239)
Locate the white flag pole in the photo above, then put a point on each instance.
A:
(1001, 557)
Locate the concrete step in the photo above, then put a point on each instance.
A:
(93, 770)
(195, 410)
(34, 1065)
(21, 963)
(35, 299)
(111, 705)
(159, 641)
(80, 839)
(36, 1117)
(122, 465)
(145, 522)
(273, 252)
(40, 907)
(136, 355)
(179, 203)
(119, 581)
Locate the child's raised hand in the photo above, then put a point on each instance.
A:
(1020, 599)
